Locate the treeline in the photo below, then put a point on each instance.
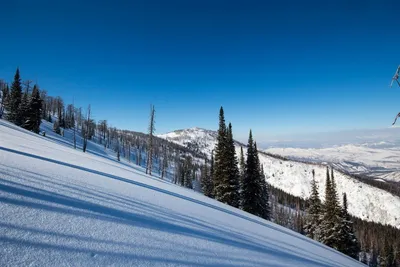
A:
(238, 182)
(26, 105)
(23, 108)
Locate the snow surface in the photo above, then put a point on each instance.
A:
(63, 207)
(364, 201)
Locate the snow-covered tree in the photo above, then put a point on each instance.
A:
(313, 219)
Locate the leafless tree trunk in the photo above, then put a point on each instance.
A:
(164, 162)
(86, 134)
(73, 110)
(129, 152)
(150, 142)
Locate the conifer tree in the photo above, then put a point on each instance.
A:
(14, 104)
(348, 242)
(221, 157)
(313, 220)
(252, 192)
(229, 185)
(264, 199)
(33, 118)
(331, 216)
(24, 109)
(206, 182)
(242, 168)
(212, 174)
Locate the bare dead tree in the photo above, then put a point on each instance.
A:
(164, 162)
(73, 110)
(86, 134)
(27, 85)
(150, 141)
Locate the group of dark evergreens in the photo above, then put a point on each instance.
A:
(328, 222)
(23, 108)
(237, 180)
(238, 183)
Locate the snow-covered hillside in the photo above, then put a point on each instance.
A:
(358, 159)
(63, 207)
(365, 201)
(372, 152)
(197, 139)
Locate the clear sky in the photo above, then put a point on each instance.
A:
(278, 67)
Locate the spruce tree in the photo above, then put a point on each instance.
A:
(33, 117)
(313, 220)
(206, 182)
(330, 219)
(229, 184)
(242, 167)
(24, 109)
(348, 241)
(221, 157)
(264, 198)
(212, 175)
(252, 192)
(14, 104)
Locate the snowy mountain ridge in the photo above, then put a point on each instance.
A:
(365, 201)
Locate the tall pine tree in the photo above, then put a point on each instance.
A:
(221, 157)
(33, 118)
(14, 104)
(206, 182)
(264, 199)
(242, 167)
(348, 241)
(252, 191)
(230, 184)
(313, 220)
(24, 109)
(330, 217)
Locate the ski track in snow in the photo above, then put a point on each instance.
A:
(63, 207)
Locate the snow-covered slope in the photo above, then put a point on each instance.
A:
(365, 201)
(62, 207)
(358, 159)
(197, 139)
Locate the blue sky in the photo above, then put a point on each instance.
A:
(278, 67)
